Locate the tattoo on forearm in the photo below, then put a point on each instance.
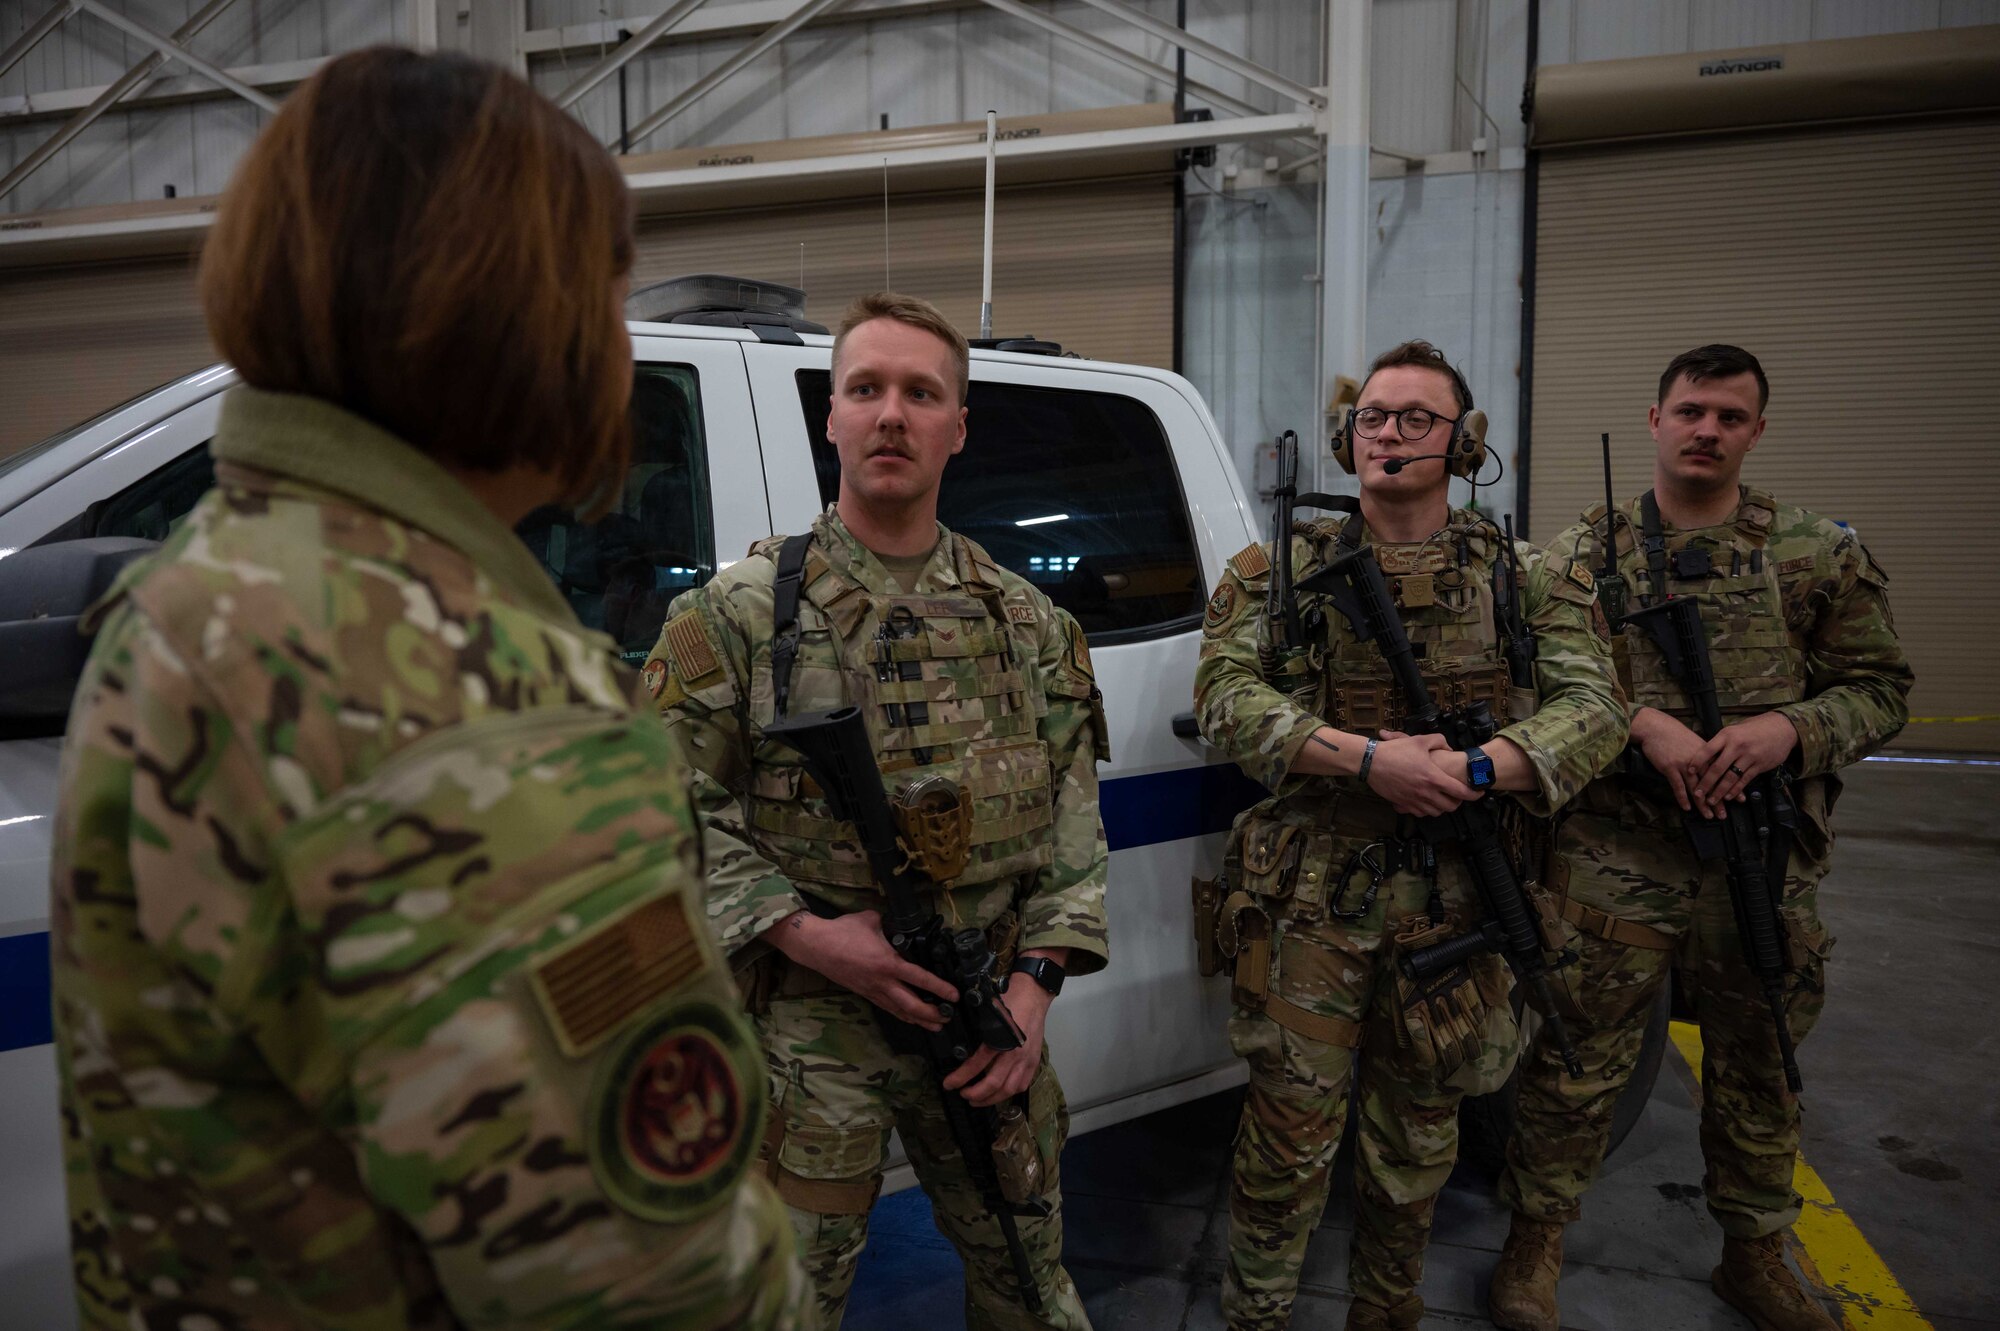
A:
(1324, 743)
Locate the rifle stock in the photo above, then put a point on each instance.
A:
(836, 752)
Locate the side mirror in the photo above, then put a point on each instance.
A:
(44, 591)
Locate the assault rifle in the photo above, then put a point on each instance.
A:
(922, 840)
(1753, 839)
(1354, 583)
(1517, 643)
(1280, 607)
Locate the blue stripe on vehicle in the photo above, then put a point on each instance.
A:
(1170, 806)
(24, 991)
(1138, 811)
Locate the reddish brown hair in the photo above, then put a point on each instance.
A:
(428, 242)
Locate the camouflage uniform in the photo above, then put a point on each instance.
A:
(992, 687)
(1798, 622)
(383, 998)
(1322, 990)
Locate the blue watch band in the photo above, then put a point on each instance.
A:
(1478, 768)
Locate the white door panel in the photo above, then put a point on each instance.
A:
(787, 434)
(1147, 1019)
(34, 1224)
(738, 506)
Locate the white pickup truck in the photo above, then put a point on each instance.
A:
(1106, 485)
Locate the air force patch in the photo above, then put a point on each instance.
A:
(673, 1120)
(1222, 605)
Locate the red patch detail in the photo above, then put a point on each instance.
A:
(682, 1112)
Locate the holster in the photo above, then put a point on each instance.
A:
(1017, 1161)
(1208, 897)
(1244, 934)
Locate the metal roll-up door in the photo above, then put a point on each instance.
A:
(1086, 264)
(76, 341)
(1089, 265)
(1862, 266)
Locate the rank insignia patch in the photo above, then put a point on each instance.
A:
(674, 1122)
(1580, 575)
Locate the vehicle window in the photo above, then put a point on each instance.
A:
(1074, 490)
(620, 573)
(149, 508)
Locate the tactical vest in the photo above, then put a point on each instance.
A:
(1759, 664)
(947, 687)
(1444, 594)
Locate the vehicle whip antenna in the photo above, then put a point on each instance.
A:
(986, 273)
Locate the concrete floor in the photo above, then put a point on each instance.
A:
(1903, 1124)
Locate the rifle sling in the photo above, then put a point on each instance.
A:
(785, 616)
(1654, 542)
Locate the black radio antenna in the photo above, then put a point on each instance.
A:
(1610, 584)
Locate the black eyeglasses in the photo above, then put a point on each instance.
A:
(1412, 423)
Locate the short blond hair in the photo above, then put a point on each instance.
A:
(917, 313)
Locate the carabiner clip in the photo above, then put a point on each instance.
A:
(1371, 858)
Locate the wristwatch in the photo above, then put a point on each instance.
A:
(1478, 768)
(1042, 970)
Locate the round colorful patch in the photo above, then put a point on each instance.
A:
(655, 676)
(1222, 604)
(676, 1112)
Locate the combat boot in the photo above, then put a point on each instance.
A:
(1374, 1317)
(1523, 1293)
(1754, 1280)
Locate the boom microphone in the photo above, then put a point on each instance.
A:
(1394, 465)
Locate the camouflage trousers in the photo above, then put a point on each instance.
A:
(1296, 1112)
(1648, 875)
(837, 1089)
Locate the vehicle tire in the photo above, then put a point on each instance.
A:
(1486, 1122)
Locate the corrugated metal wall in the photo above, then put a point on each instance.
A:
(134, 153)
(1445, 257)
(1874, 319)
(918, 69)
(1578, 30)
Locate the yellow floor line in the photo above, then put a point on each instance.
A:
(1830, 1248)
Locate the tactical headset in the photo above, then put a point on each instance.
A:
(1464, 454)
